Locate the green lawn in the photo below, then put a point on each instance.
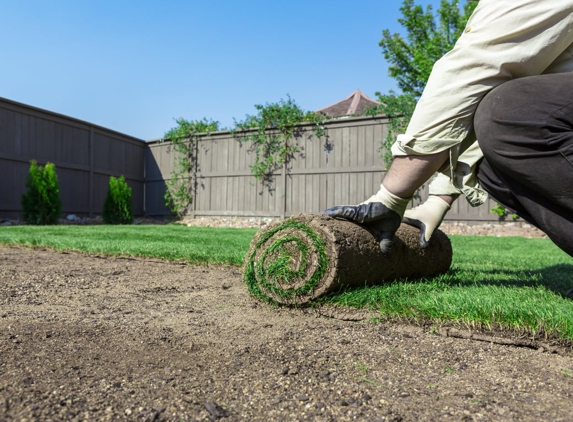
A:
(514, 282)
(197, 245)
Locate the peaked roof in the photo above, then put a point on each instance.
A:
(354, 104)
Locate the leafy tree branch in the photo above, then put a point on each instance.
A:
(428, 37)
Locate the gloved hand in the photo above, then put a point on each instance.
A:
(427, 217)
(384, 210)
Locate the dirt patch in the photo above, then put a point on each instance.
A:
(94, 338)
(520, 229)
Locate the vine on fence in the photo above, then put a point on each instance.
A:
(398, 109)
(184, 137)
(502, 212)
(269, 133)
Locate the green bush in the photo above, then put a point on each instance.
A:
(118, 208)
(41, 204)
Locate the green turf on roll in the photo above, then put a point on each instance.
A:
(297, 261)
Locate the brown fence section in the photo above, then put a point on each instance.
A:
(342, 167)
(85, 156)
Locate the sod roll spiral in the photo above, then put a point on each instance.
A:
(298, 260)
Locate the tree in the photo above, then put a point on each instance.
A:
(428, 38)
(41, 204)
(411, 59)
(118, 206)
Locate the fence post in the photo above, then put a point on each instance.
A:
(194, 182)
(91, 176)
(284, 197)
(283, 204)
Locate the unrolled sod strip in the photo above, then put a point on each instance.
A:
(298, 260)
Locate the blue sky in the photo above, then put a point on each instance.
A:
(134, 66)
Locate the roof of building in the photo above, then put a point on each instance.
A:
(354, 104)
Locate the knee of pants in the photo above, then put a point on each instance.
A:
(490, 120)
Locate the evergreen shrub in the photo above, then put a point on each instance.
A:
(118, 208)
(41, 204)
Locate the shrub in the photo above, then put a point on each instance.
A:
(41, 204)
(118, 208)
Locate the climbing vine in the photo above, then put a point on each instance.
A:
(269, 132)
(398, 109)
(184, 137)
(502, 212)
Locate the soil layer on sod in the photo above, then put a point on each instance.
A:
(309, 255)
(96, 338)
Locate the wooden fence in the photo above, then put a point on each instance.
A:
(342, 167)
(85, 156)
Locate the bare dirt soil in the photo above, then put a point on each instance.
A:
(96, 338)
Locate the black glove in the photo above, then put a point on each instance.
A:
(384, 210)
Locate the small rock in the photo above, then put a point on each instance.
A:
(302, 397)
(72, 217)
(215, 410)
(277, 400)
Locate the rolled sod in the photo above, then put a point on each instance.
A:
(298, 260)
